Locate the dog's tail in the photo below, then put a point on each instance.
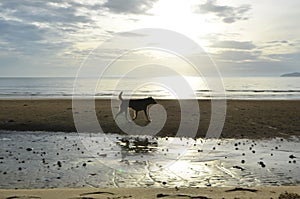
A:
(120, 96)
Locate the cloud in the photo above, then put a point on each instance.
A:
(129, 6)
(36, 27)
(39, 20)
(49, 14)
(237, 56)
(228, 14)
(17, 31)
(37, 35)
(230, 44)
(289, 57)
(57, 25)
(131, 34)
(283, 45)
(278, 41)
(256, 68)
(277, 49)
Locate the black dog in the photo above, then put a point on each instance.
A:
(135, 104)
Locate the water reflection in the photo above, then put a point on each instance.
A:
(41, 159)
(136, 145)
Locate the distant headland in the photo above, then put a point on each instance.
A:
(295, 74)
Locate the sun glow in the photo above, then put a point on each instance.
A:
(179, 16)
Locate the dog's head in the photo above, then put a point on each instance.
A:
(151, 100)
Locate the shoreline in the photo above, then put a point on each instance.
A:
(251, 119)
(159, 99)
(150, 193)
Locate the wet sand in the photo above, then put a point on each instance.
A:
(244, 119)
(151, 193)
(53, 165)
(58, 160)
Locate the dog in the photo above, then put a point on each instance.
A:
(136, 105)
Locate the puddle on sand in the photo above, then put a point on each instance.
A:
(48, 159)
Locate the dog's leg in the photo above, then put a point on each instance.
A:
(135, 113)
(147, 116)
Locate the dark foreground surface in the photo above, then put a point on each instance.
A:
(51, 160)
(248, 119)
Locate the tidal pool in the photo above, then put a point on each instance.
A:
(53, 159)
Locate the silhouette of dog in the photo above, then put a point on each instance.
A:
(136, 105)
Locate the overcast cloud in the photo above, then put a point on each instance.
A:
(52, 38)
(246, 45)
(129, 6)
(228, 14)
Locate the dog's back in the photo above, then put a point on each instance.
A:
(141, 104)
(135, 104)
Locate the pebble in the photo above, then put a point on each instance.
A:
(238, 167)
(292, 156)
(262, 164)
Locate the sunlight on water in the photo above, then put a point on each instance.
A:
(110, 87)
(107, 161)
(152, 87)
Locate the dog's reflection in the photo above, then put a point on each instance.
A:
(131, 146)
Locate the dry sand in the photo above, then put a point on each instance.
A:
(150, 193)
(249, 119)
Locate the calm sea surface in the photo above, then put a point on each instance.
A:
(235, 88)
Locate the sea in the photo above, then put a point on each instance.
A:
(244, 88)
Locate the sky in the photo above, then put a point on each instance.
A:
(243, 38)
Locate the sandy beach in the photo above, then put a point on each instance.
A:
(147, 193)
(261, 154)
(244, 118)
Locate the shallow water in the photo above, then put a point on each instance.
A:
(255, 88)
(47, 159)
